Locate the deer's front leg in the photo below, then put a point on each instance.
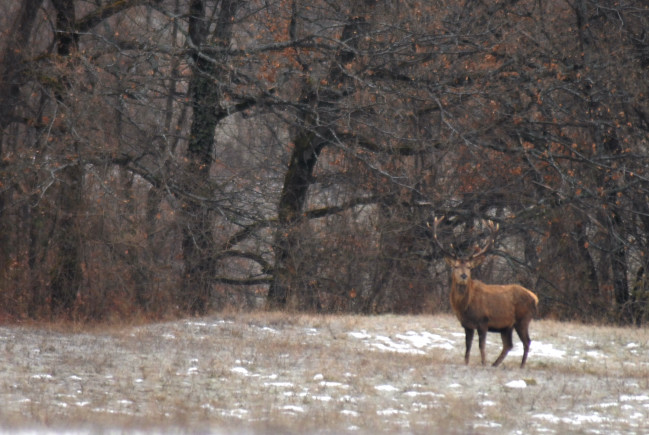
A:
(482, 341)
(469, 339)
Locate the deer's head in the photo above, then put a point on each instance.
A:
(461, 268)
(461, 265)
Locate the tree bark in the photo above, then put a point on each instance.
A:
(616, 235)
(12, 75)
(314, 134)
(68, 274)
(198, 238)
(12, 68)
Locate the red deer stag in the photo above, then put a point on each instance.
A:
(486, 307)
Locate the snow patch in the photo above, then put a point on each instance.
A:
(279, 384)
(236, 413)
(410, 342)
(322, 398)
(42, 376)
(362, 335)
(392, 411)
(240, 371)
(425, 339)
(517, 384)
(579, 419)
(293, 408)
(386, 388)
(539, 349)
(349, 412)
(328, 384)
(638, 398)
(547, 417)
(387, 344)
(423, 393)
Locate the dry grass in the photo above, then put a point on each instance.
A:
(281, 373)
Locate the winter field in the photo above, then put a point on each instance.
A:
(266, 373)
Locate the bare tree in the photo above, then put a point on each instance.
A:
(183, 155)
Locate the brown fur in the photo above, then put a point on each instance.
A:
(494, 308)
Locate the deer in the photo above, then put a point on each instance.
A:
(487, 307)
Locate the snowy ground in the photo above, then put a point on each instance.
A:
(277, 373)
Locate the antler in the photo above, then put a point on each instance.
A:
(493, 229)
(446, 252)
(480, 251)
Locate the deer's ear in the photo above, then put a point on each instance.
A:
(477, 261)
(449, 261)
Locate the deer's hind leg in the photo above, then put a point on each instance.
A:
(508, 343)
(522, 329)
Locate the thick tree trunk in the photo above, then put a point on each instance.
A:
(12, 68)
(314, 134)
(68, 274)
(619, 266)
(291, 204)
(12, 74)
(617, 236)
(198, 239)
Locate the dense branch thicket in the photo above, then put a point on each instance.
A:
(180, 156)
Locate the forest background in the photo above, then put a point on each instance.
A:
(173, 157)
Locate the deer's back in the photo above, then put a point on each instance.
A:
(509, 302)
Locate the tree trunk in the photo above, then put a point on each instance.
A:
(12, 67)
(314, 134)
(12, 74)
(619, 266)
(294, 194)
(617, 236)
(68, 274)
(198, 239)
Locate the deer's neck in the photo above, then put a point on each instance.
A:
(461, 295)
